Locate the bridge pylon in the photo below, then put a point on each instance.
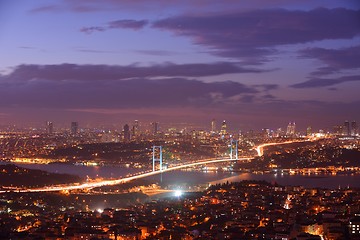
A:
(157, 157)
(234, 149)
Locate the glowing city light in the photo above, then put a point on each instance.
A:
(178, 193)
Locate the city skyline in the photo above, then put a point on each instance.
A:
(135, 129)
(254, 63)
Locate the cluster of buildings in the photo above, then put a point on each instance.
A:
(347, 129)
(40, 147)
(137, 131)
(243, 210)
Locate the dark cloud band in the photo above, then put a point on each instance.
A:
(89, 86)
(325, 82)
(113, 72)
(335, 60)
(252, 36)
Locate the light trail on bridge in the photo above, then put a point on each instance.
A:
(121, 180)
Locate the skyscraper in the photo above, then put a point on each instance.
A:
(223, 128)
(74, 127)
(354, 129)
(135, 129)
(155, 127)
(213, 126)
(126, 133)
(49, 127)
(347, 131)
(266, 132)
(308, 131)
(290, 131)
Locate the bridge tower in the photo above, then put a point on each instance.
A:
(234, 149)
(157, 157)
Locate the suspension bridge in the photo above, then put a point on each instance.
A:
(157, 156)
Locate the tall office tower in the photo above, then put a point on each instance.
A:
(354, 129)
(347, 131)
(266, 132)
(308, 131)
(290, 131)
(126, 133)
(135, 128)
(293, 131)
(223, 128)
(49, 127)
(74, 127)
(213, 126)
(155, 126)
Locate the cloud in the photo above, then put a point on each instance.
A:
(26, 47)
(325, 82)
(132, 24)
(47, 8)
(157, 52)
(89, 30)
(87, 50)
(101, 86)
(64, 72)
(267, 87)
(254, 35)
(102, 93)
(48, 90)
(336, 60)
(141, 6)
(124, 24)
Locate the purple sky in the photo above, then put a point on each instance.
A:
(255, 63)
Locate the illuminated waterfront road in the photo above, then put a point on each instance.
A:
(121, 180)
(260, 149)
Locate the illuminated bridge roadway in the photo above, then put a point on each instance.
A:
(102, 183)
(121, 180)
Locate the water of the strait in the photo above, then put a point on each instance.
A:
(195, 177)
